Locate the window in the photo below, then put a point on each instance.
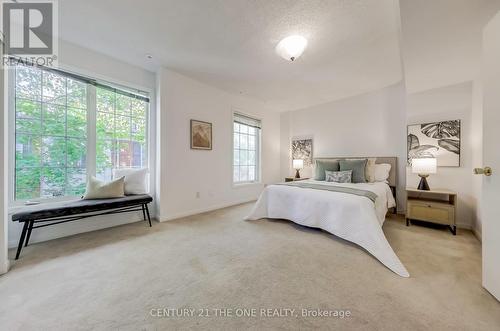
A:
(121, 132)
(53, 114)
(246, 135)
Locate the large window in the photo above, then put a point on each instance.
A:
(121, 132)
(56, 117)
(246, 155)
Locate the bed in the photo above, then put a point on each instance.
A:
(354, 212)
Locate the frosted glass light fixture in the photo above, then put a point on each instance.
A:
(291, 47)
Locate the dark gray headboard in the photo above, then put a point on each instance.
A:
(393, 161)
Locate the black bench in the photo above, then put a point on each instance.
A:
(63, 212)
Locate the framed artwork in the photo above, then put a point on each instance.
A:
(201, 135)
(303, 149)
(438, 139)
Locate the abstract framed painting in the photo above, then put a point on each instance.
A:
(302, 149)
(201, 135)
(440, 140)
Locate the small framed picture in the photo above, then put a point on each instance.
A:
(201, 135)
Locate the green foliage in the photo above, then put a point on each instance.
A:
(51, 133)
(120, 126)
(76, 122)
(49, 162)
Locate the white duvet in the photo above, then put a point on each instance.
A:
(350, 217)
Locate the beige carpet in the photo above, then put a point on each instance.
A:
(113, 278)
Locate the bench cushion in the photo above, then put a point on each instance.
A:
(75, 207)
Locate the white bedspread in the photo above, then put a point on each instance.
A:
(350, 217)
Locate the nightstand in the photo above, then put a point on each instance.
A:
(293, 179)
(435, 206)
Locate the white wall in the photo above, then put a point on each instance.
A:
(4, 261)
(96, 65)
(182, 172)
(448, 103)
(372, 124)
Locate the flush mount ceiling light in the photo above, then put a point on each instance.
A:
(291, 47)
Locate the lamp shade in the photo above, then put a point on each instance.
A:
(291, 47)
(424, 166)
(298, 164)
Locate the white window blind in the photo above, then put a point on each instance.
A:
(246, 155)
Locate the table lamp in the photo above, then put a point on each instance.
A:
(297, 165)
(424, 167)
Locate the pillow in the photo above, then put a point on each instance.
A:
(339, 176)
(97, 189)
(135, 179)
(357, 167)
(381, 172)
(322, 166)
(370, 170)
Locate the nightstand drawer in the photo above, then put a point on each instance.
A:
(437, 212)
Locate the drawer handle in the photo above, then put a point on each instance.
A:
(429, 206)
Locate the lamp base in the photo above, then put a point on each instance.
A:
(297, 173)
(423, 185)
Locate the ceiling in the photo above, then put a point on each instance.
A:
(354, 45)
(441, 42)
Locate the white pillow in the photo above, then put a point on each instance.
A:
(135, 179)
(97, 189)
(381, 172)
(370, 170)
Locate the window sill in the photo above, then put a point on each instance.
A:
(17, 207)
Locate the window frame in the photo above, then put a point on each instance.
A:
(91, 131)
(258, 151)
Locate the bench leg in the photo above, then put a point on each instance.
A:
(21, 240)
(144, 212)
(147, 212)
(30, 228)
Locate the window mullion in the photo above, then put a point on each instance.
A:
(257, 155)
(12, 132)
(66, 185)
(91, 130)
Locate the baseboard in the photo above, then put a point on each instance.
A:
(74, 228)
(204, 210)
(464, 226)
(478, 234)
(5, 267)
(459, 226)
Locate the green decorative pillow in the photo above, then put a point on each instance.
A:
(322, 166)
(357, 167)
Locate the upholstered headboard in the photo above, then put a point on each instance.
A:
(393, 161)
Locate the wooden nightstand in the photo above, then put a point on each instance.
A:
(436, 206)
(293, 179)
